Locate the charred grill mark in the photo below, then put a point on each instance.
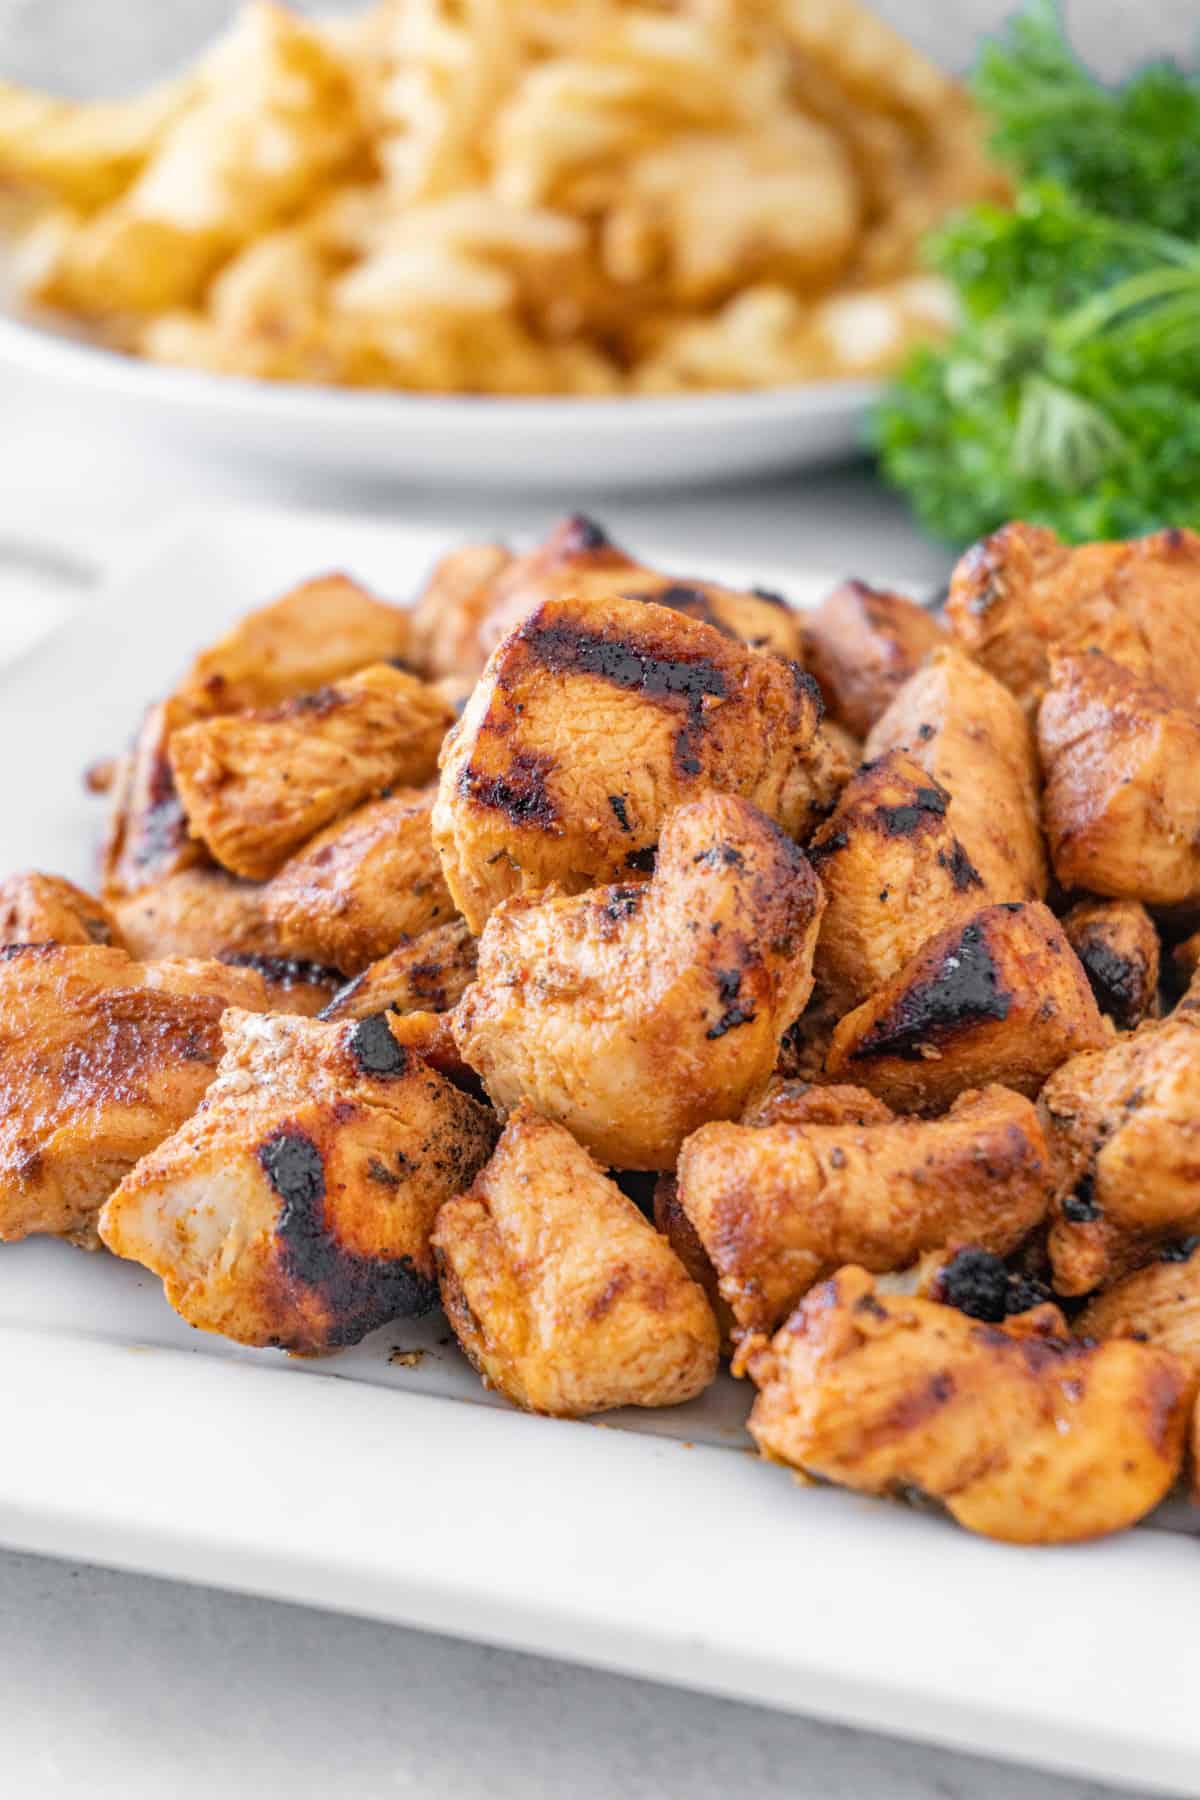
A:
(771, 597)
(962, 870)
(566, 648)
(979, 1284)
(1081, 1207)
(374, 1048)
(581, 532)
(642, 861)
(620, 811)
(283, 971)
(721, 856)
(902, 821)
(964, 991)
(1116, 981)
(622, 903)
(694, 602)
(808, 688)
(377, 1170)
(360, 1292)
(520, 792)
(736, 1011)
(837, 840)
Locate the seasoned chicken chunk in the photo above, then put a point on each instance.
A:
(1159, 1304)
(971, 735)
(361, 886)
(100, 1059)
(633, 1014)
(894, 873)
(1001, 998)
(580, 559)
(317, 633)
(429, 973)
(46, 909)
(1021, 1431)
(257, 786)
(1122, 801)
(862, 644)
(591, 722)
(295, 1207)
(779, 1206)
(446, 620)
(794, 1102)
(1021, 592)
(563, 1296)
(197, 912)
(1117, 944)
(1126, 1132)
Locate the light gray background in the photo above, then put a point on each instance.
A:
(118, 1688)
(86, 46)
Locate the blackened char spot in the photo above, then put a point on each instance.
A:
(642, 861)
(980, 1285)
(284, 971)
(837, 840)
(374, 1048)
(737, 1012)
(1116, 981)
(359, 1292)
(566, 647)
(721, 856)
(902, 821)
(622, 902)
(520, 792)
(1082, 1207)
(964, 990)
(963, 872)
(583, 533)
(695, 602)
(1181, 1251)
(771, 597)
(620, 810)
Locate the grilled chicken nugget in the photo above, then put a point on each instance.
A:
(894, 874)
(100, 1059)
(257, 786)
(967, 731)
(862, 644)
(633, 1014)
(294, 1209)
(46, 909)
(1021, 592)
(427, 973)
(1023, 1432)
(563, 1296)
(1117, 944)
(1000, 998)
(778, 1207)
(1122, 800)
(590, 724)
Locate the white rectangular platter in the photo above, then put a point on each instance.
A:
(651, 1544)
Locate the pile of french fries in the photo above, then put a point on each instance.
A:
(582, 197)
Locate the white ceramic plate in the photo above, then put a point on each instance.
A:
(627, 444)
(651, 1543)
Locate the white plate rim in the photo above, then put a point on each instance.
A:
(692, 1565)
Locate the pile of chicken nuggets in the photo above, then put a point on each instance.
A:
(432, 940)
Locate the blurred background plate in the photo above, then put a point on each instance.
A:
(624, 444)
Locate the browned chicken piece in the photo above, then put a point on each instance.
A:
(1001, 998)
(674, 1224)
(1022, 1432)
(1122, 801)
(445, 622)
(1126, 1134)
(1019, 593)
(894, 873)
(862, 644)
(795, 1102)
(295, 1208)
(592, 722)
(47, 909)
(317, 633)
(1159, 1304)
(430, 1035)
(633, 1014)
(100, 1059)
(580, 559)
(198, 912)
(805, 1044)
(1117, 944)
(562, 1295)
(257, 786)
(361, 886)
(778, 1207)
(148, 840)
(817, 780)
(429, 973)
(971, 735)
